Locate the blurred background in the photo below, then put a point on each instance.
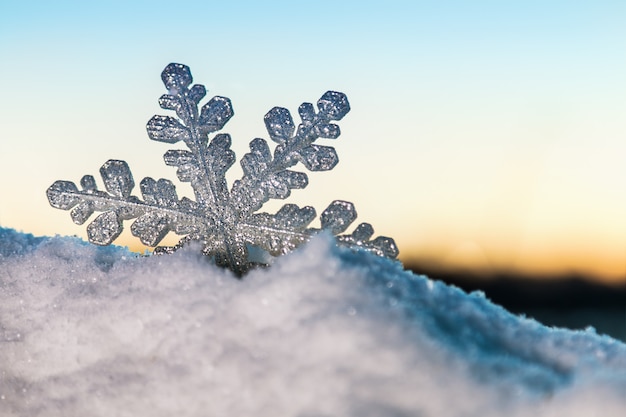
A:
(487, 137)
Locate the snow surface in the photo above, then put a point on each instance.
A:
(99, 331)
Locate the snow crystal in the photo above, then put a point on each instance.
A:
(224, 221)
(99, 331)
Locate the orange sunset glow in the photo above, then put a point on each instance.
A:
(488, 137)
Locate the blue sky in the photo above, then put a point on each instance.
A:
(484, 134)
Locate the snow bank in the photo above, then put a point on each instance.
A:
(90, 331)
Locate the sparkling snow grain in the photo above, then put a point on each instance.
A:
(96, 331)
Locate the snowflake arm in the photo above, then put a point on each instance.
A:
(159, 213)
(267, 176)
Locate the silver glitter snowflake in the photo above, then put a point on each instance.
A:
(224, 221)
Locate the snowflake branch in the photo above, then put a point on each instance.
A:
(267, 177)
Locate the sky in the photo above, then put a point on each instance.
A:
(486, 135)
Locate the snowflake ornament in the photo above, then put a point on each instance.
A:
(225, 222)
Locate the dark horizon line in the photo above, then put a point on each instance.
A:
(433, 269)
(517, 291)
